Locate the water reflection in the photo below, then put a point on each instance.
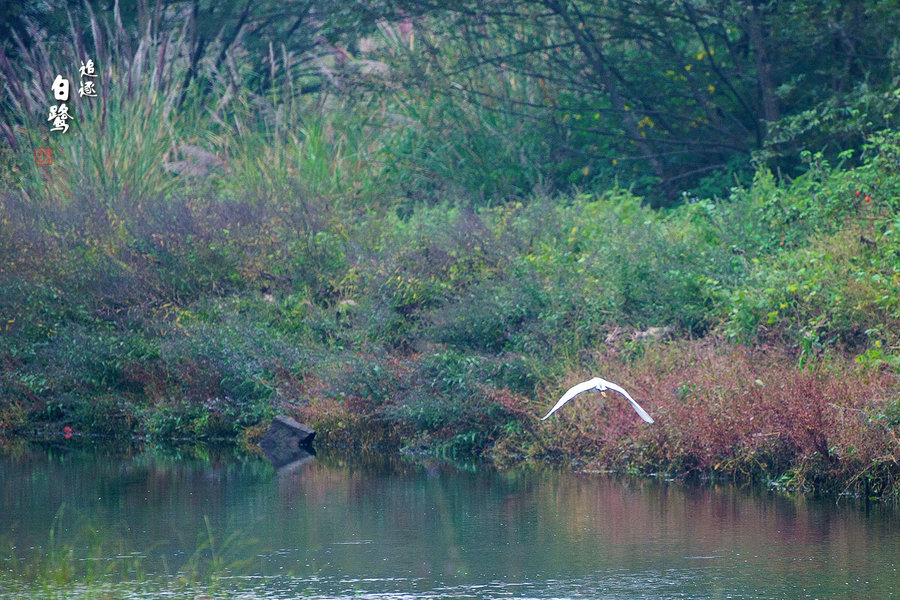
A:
(379, 526)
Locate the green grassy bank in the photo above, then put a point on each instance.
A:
(453, 329)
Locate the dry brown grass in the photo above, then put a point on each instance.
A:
(745, 413)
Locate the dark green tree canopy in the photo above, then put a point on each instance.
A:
(672, 90)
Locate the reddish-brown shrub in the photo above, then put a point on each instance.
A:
(738, 411)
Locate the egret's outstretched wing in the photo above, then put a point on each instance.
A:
(572, 392)
(637, 407)
(599, 384)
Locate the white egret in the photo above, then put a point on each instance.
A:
(598, 384)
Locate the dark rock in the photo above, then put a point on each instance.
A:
(287, 441)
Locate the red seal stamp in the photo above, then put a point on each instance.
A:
(43, 156)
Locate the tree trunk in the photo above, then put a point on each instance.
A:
(763, 72)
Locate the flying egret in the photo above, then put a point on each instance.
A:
(598, 384)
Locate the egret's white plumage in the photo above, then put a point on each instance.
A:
(598, 384)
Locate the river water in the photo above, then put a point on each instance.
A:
(208, 524)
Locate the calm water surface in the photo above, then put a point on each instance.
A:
(152, 525)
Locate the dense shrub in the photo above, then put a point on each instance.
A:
(744, 413)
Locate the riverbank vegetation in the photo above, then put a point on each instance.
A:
(351, 230)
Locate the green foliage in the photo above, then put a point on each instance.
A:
(447, 394)
(846, 120)
(486, 318)
(875, 358)
(106, 416)
(450, 147)
(367, 382)
(174, 423)
(230, 368)
(832, 277)
(654, 96)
